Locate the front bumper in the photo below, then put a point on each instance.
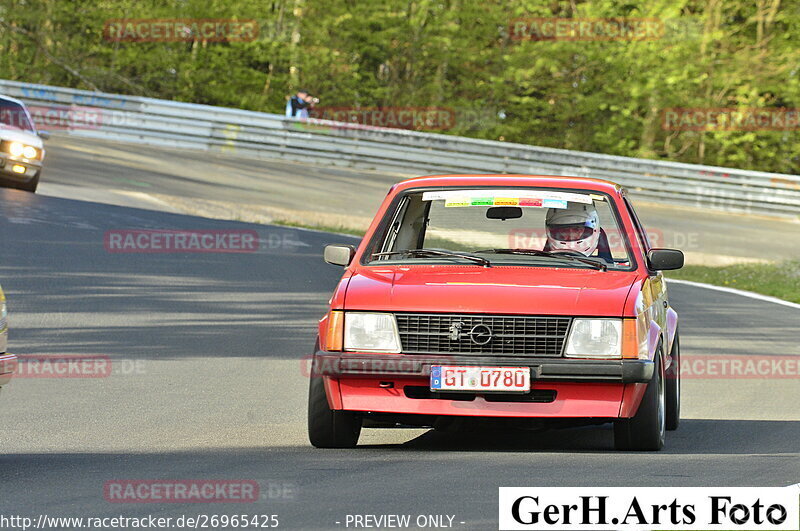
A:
(32, 167)
(346, 365)
(560, 388)
(8, 365)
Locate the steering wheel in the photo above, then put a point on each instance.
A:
(567, 252)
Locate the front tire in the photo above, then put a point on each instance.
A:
(328, 428)
(646, 429)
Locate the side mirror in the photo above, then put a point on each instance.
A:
(339, 254)
(44, 135)
(665, 259)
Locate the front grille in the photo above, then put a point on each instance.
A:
(508, 335)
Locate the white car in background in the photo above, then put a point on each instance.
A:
(21, 146)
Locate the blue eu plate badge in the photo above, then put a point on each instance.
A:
(436, 377)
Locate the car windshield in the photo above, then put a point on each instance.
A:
(13, 114)
(542, 227)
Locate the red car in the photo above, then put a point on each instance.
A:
(522, 297)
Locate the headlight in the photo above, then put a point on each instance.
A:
(595, 338)
(29, 152)
(16, 148)
(371, 332)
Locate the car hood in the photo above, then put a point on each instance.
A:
(509, 290)
(15, 134)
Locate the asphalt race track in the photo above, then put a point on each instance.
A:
(103, 171)
(208, 382)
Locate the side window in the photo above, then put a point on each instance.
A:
(612, 231)
(394, 228)
(642, 234)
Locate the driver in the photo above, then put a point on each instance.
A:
(575, 228)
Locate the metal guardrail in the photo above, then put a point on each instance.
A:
(269, 136)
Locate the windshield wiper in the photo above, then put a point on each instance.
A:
(547, 254)
(434, 252)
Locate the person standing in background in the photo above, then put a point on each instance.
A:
(298, 105)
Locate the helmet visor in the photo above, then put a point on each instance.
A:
(570, 233)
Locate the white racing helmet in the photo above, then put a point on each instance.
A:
(575, 228)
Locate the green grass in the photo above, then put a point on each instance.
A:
(780, 280)
(324, 228)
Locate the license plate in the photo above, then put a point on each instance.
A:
(491, 379)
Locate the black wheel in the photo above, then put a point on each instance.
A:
(646, 429)
(31, 185)
(673, 385)
(328, 428)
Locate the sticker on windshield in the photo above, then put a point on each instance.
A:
(519, 197)
(531, 202)
(554, 203)
(482, 201)
(457, 202)
(506, 201)
(434, 196)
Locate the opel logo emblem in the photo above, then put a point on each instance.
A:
(480, 334)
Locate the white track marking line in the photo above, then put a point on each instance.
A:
(740, 292)
(144, 196)
(318, 231)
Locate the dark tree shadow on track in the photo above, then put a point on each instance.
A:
(746, 437)
(80, 298)
(431, 470)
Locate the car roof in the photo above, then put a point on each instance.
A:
(512, 180)
(12, 100)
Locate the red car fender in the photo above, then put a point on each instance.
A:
(332, 389)
(631, 399)
(334, 392)
(653, 340)
(640, 305)
(672, 329)
(336, 303)
(633, 393)
(337, 299)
